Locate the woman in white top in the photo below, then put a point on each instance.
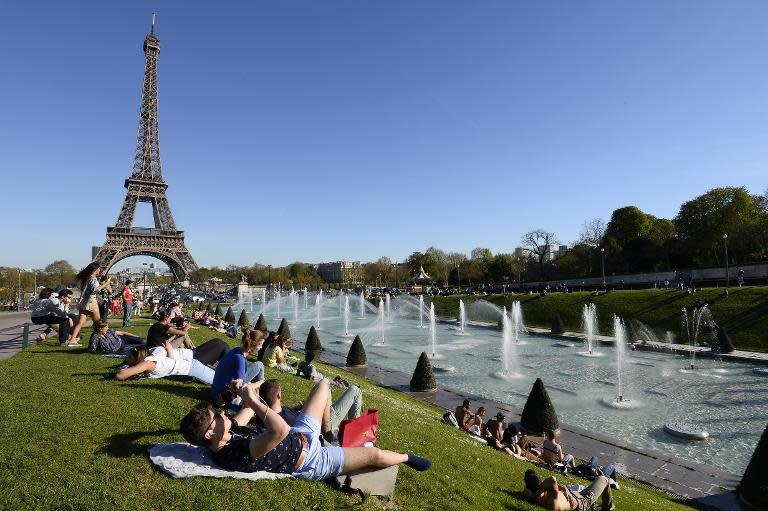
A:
(162, 361)
(89, 290)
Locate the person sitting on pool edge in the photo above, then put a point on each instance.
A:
(557, 497)
(280, 448)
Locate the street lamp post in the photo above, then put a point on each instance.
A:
(458, 274)
(602, 263)
(727, 273)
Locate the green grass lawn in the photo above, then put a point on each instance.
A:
(744, 313)
(73, 437)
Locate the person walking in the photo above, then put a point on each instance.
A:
(89, 289)
(127, 303)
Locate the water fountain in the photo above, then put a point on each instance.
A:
(278, 300)
(306, 298)
(389, 307)
(341, 304)
(362, 305)
(621, 401)
(250, 298)
(346, 316)
(433, 337)
(421, 311)
(693, 329)
(318, 306)
(509, 369)
(295, 307)
(263, 299)
(516, 318)
(381, 322)
(670, 338)
(462, 316)
(589, 320)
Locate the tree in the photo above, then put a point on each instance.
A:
(538, 243)
(218, 312)
(58, 274)
(283, 330)
(637, 241)
(423, 379)
(313, 341)
(557, 325)
(419, 260)
(539, 413)
(503, 268)
(261, 324)
(592, 232)
(229, 317)
(356, 356)
(243, 321)
(209, 308)
(753, 487)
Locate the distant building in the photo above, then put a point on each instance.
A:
(550, 252)
(520, 252)
(345, 272)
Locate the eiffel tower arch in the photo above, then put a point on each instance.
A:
(145, 184)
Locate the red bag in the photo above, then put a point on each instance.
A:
(356, 432)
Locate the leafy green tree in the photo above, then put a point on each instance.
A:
(420, 260)
(261, 324)
(243, 321)
(313, 341)
(557, 325)
(423, 379)
(356, 356)
(229, 317)
(502, 269)
(637, 241)
(201, 305)
(539, 413)
(284, 330)
(58, 274)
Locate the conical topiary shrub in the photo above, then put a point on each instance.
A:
(313, 341)
(630, 333)
(356, 356)
(201, 305)
(229, 317)
(218, 311)
(423, 379)
(283, 330)
(539, 413)
(209, 308)
(557, 325)
(724, 343)
(754, 483)
(261, 324)
(243, 320)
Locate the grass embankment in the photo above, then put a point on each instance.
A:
(75, 438)
(744, 313)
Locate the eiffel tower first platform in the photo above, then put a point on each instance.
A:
(163, 241)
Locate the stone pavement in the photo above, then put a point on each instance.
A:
(11, 330)
(682, 479)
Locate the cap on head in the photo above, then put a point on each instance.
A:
(500, 416)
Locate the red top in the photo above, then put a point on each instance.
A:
(127, 295)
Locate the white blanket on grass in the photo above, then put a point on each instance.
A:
(185, 460)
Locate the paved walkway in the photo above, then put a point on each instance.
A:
(11, 332)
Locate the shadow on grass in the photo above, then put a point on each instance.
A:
(196, 392)
(126, 445)
(517, 494)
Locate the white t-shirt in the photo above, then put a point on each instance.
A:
(179, 365)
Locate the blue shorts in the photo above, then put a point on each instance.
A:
(320, 462)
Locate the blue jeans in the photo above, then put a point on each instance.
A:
(129, 341)
(201, 372)
(609, 470)
(127, 311)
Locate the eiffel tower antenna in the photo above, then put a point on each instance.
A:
(146, 184)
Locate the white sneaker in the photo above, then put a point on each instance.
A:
(72, 344)
(613, 484)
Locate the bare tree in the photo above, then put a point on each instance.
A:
(538, 243)
(592, 232)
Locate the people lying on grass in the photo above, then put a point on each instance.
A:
(349, 405)
(234, 366)
(88, 304)
(53, 311)
(519, 444)
(107, 340)
(464, 415)
(277, 354)
(162, 361)
(553, 453)
(162, 331)
(475, 424)
(281, 448)
(307, 370)
(591, 470)
(557, 497)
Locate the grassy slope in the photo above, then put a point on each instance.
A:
(74, 438)
(743, 313)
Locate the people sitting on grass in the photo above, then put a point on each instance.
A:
(349, 405)
(234, 366)
(277, 354)
(553, 453)
(88, 304)
(163, 331)
(107, 340)
(162, 361)
(475, 424)
(308, 371)
(280, 448)
(267, 346)
(557, 497)
(464, 414)
(53, 312)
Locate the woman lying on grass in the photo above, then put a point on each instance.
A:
(162, 361)
(280, 448)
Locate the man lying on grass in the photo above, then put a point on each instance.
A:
(280, 448)
(557, 497)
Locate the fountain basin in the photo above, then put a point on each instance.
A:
(443, 369)
(687, 431)
(760, 371)
(588, 354)
(625, 404)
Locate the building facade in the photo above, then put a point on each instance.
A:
(344, 272)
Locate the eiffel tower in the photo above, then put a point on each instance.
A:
(146, 184)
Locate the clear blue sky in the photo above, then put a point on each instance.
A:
(351, 130)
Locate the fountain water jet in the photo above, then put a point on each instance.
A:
(433, 338)
(421, 311)
(692, 327)
(589, 320)
(263, 299)
(295, 298)
(516, 318)
(306, 299)
(381, 322)
(346, 316)
(389, 307)
(462, 316)
(318, 306)
(508, 354)
(250, 298)
(620, 402)
(362, 305)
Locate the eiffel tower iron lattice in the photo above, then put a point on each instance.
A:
(146, 184)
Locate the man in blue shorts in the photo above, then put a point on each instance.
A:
(280, 448)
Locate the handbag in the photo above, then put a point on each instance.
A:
(357, 432)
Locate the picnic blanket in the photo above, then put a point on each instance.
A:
(181, 459)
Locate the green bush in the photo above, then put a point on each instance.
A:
(313, 341)
(201, 305)
(557, 325)
(229, 317)
(261, 324)
(218, 312)
(209, 308)
(724, 343)
(539, 413)
(754, 484)
(283, 330)
(423, 379)
(356, 356)
(243, 321)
